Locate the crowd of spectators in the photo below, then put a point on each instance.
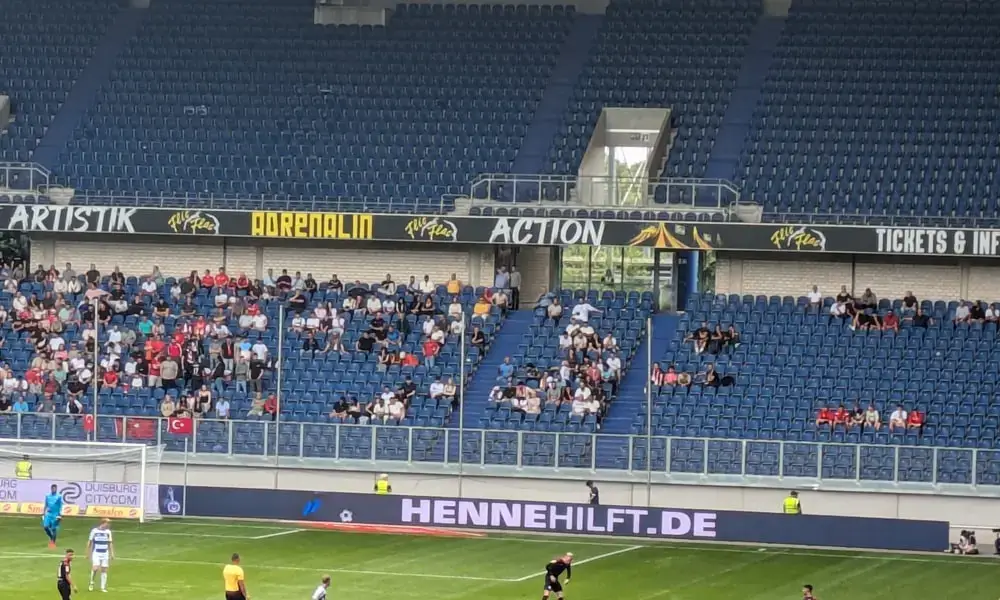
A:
(590, 367)
(196, 358)
(713, 341)
(899, 420)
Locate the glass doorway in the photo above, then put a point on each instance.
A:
(605, 268)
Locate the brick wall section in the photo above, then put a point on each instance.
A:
(956, 280)
(984, 283)
(174, 260)
(932, 282)
(779, 278)
(369, 265)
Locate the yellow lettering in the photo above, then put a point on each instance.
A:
(312, 226)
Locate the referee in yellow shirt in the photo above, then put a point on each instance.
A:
(236, 587)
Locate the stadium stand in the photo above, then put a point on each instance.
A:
(793, 360)
(199, 329)
(43, 50)
(884, 112)
(684, 54)
(578, 400)
(384, 119)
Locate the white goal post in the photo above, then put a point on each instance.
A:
(95, 479)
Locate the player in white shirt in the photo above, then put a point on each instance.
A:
(101, 550)
(320, 593)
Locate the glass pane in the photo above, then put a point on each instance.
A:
(638, 269)
(606, 268)
(576, 267)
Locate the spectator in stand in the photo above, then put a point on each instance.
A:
(455, 308)
(430, 349)
(453, 286)
(450, 393)
(922, 320)
(283, 284)
(890, 322)
(868, 300)
(222, 408)
(992, 314)
(962, 313)
(500, 300)
(841, 416)
(478, 338)
(271, 406)
(915, 420)
(699, 337)
(824, 416)
(815, 299)
(408, 359)
(976, 314)
(481, 309)
(715, 340)
(73, 406)
(554, 311)
(844, 296)
(505, 372)
(898, 418)
(909, 306)
(872, 418)
(864, 321)
(515, 288)
(20, 405)
(857, 418)
(426, 286)
(583, 310)
(167, 406)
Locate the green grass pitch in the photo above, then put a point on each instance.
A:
(182, 560)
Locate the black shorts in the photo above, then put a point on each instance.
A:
(234, 596)
(64, 590)
(552, 587)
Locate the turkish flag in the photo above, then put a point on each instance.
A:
(88, 423)
(180, 426)
(136, 428)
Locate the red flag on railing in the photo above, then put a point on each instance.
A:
(88, 423)
(180, 425)
(135, 428)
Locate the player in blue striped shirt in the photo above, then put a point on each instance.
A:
(52, 515)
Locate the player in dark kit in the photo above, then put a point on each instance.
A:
(807, 592)
(553, 570)
(65, 581)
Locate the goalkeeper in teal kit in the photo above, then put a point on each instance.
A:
(52, 515)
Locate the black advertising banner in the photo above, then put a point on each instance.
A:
(530, 231)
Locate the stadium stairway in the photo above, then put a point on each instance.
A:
(84, 91)
(725, 155)
(478, 388)
(545, 124)
(631, 398)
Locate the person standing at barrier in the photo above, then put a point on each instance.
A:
(22, 470)
(792, 505)
(595, 494)
(382, 485)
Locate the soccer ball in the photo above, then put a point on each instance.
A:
(346, 516)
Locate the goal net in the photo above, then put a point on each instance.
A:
(119, 481)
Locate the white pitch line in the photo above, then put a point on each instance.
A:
(583, 562)
(28, 555)
(276, 534)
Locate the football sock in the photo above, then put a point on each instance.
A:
(104, 581)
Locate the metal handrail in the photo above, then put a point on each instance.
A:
(758, 459)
